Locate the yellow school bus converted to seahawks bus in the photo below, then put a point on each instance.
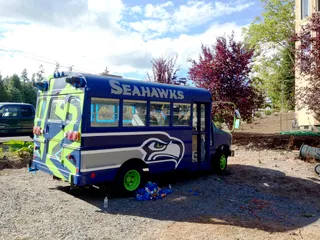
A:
(92, 129)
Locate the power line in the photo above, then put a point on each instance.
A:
(38, 58)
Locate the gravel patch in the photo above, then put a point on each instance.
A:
(264, 195)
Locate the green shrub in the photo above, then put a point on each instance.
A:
(21, 148)
(257, 114)
(268, 112)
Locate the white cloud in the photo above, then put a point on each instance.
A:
(189, 46)
(64, 14)
(158, 11)
(195, 13)
(189, 15)
(136, 9)
(146, 26)
(91, 46)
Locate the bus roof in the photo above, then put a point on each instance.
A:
(113, 86)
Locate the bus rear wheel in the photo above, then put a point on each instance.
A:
(129, 179)
(219, 162)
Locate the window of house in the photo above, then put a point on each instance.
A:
(304, 8)
(159, 114)
(134, 113)
(181, 114)
(318, 5)
(104, 112)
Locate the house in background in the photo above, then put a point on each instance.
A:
(304, 9)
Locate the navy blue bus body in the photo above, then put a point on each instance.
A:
(163, 127)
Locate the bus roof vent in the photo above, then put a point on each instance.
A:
(59, 75)
(77, 82)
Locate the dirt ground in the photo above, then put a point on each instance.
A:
(269, 124)
(265, 194)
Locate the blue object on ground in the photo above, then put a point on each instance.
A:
(151, 191)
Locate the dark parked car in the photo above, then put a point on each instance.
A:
(16, 118)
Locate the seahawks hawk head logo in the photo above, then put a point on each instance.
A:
(163, 149)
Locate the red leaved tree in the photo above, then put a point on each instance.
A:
(164, 70)
(308, 65)
(224, 70)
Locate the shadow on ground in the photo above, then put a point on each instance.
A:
(246, 196)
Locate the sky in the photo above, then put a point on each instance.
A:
(123, 35)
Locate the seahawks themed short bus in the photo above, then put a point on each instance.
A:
(94, 129)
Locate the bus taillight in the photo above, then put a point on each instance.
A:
(37, 130)
(73, 136)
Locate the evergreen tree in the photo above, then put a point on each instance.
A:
(3, 91)
(24, 75)
(29, 93)
(14, 81)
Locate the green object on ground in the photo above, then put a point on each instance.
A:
(301, 133)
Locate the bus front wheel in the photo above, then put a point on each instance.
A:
(219, 162)
(129, 179)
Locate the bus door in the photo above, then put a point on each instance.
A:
(54, 135)
(72, 133)
(199, 146)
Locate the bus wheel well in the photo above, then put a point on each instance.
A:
(136, 178)
(135, 161)
(224, 148)
(219, 160)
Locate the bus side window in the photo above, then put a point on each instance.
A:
(159, 114)
(74, 109)
(181, 114)
(104, 112)
(134, 113)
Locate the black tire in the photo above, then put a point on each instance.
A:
(317, 169)
(120, 187)
(216, 164)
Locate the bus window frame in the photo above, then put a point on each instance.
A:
(93, 115)
(147, 127)
(121, 105)
(190, 117)
(49, 110)
(170, 113)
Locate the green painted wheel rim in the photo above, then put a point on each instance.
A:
(223, 162)
(131, 180)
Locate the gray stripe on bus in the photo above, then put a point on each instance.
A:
(119, 165)
(121, 134)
